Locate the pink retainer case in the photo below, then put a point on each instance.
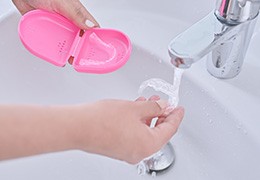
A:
(57, 40)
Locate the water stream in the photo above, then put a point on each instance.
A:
(171, 92)
(160, 85)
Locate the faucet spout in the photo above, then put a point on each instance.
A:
(194, 43)
(224, 39)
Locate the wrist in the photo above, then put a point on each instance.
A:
(65, 120)
(79, 125)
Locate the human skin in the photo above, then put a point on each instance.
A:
(115, 128)
(71, 9)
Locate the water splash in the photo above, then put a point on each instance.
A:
(141, 168)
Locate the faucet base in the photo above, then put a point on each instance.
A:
(226, 59)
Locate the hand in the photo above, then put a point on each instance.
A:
(115, 128)
(120, 129)
(71, 9)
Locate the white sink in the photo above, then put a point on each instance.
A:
(220, 135)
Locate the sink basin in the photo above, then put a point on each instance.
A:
(220, 134)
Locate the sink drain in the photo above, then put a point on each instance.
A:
(158, 163)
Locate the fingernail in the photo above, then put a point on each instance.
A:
(162, 103)
(168, 110)
(89, 23)
(154, 98)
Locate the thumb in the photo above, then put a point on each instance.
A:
(77, 13)
(163, 132)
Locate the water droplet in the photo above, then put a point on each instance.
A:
(213, 101)
(245, 131)
(153, 174)
(239, 125)
(211, 121)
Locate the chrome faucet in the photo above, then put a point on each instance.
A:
(224, 34)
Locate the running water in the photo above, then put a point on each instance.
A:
(171, 90)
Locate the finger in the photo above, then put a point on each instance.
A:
(141, 99)
(163, 132)
(159, 120)
(77, 13)
(22, 6)
(146, 121)
(166, 113)
(154, 98)
(151, 109)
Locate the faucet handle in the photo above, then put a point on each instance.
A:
(234, 12)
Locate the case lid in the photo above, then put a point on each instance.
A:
(55, 39)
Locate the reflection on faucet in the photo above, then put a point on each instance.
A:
(224, 34)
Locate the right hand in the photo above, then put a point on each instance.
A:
(121, 129)
(71, 9)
